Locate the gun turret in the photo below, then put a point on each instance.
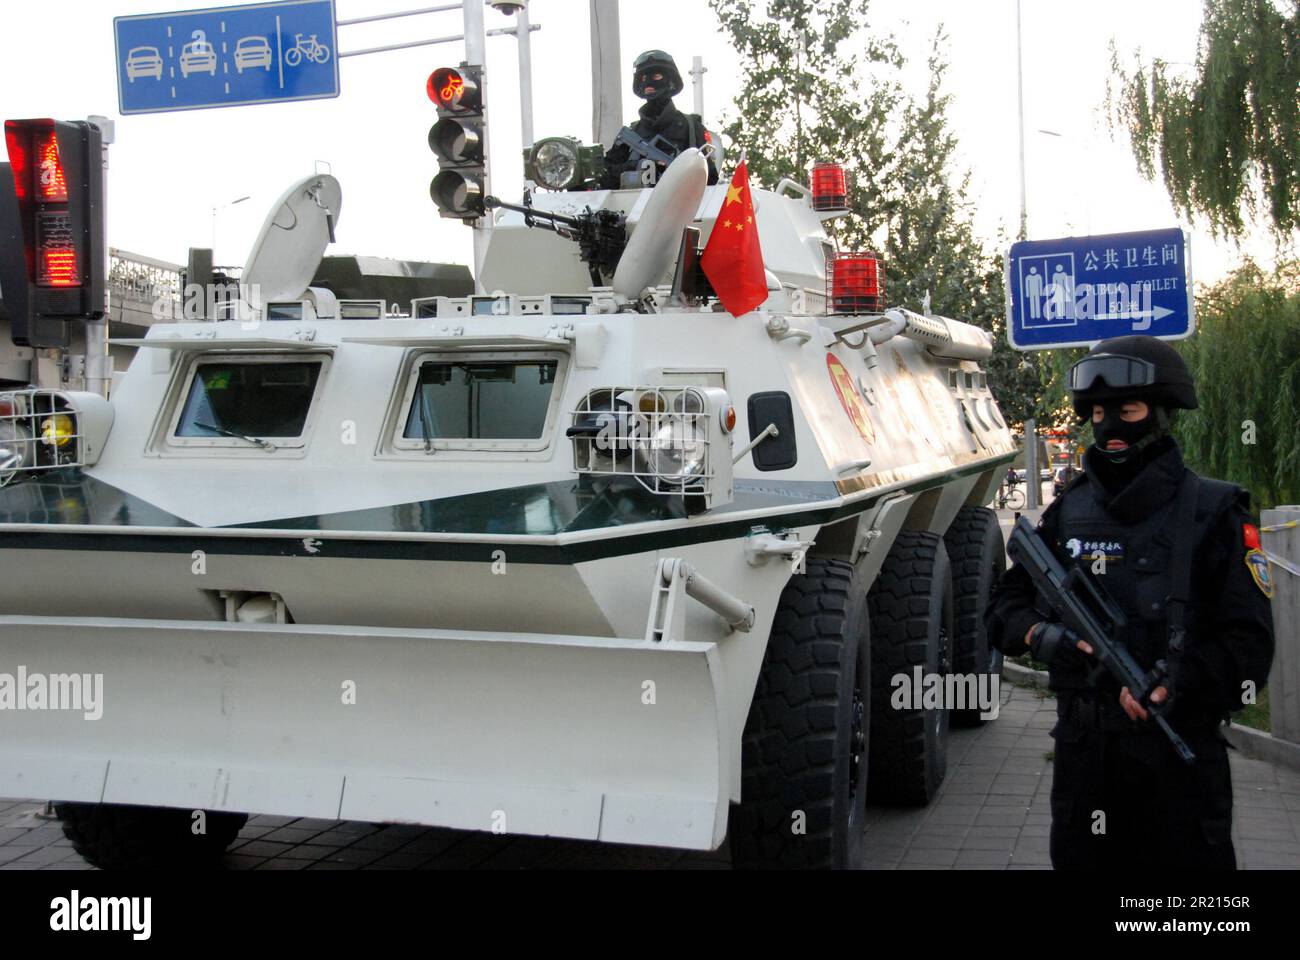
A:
(601, 235)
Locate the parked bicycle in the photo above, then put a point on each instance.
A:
(309, 48)
(1010, 498)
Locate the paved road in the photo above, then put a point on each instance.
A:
(992, 813)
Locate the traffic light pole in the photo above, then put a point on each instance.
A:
(476, 52)
(99, 362)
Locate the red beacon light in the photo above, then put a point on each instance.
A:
(855, 283)
(829, 187)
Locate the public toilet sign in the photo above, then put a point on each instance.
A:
(1076, 291)
(227, 56)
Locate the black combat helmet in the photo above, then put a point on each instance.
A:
(1143, 368)
(653, 61)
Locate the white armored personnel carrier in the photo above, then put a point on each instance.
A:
(586, 556)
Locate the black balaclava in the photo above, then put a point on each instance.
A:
(1123, 465)
(655, 105)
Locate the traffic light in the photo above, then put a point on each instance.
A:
(459, 141)
(57, 172)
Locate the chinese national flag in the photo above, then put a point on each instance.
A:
(733, 260)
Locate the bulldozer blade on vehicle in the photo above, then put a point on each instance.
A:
(509, 733)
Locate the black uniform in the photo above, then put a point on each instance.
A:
(1159, 812)
(659, 117)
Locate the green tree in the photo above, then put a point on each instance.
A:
(932, 250)
(1246, 361)
(817, 86)
(1227, 140)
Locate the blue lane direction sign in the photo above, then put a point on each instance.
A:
(227, 56)
(1076, 291)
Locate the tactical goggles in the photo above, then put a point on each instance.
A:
(1118, 372)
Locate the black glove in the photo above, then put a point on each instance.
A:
(1054, 643)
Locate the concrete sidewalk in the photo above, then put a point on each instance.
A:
(993, 811)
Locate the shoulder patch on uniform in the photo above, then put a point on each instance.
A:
(1257, 564)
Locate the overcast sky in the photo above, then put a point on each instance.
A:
(170, 170)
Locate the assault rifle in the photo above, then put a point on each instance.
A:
(1091, 614)
(659, 148)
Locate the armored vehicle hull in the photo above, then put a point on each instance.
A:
(315, 580)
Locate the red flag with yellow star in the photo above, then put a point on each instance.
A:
(733, 260)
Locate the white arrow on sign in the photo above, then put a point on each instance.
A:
(1156, 313)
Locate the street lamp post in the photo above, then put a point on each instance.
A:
(1086, 148)
(215, 211)
(1031, 433)
(1020, 95)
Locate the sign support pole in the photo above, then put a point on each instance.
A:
(1033, 482)
(523, 32)
(698, 70)
(606, 73)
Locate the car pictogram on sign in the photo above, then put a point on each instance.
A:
(198, 56)
(252, 52)
(144, 62)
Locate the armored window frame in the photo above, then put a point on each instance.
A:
(169, 442)
(401, 410)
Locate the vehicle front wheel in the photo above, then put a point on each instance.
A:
(804, 751)
(116, 837)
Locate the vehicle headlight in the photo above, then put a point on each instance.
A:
(58, 430)
(676, 452)
(557, 162)
(563, 163)
(17, 450)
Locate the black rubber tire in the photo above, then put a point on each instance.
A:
(805, 741)
(911, 625)
(116, 837)
(979, 558)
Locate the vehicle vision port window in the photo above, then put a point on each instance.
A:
(486, 399)
(230, 402)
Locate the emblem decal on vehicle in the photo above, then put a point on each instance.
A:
(850, 399)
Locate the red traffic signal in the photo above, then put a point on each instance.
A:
(454, 90)
(57, 170)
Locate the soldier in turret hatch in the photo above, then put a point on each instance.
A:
(662, 127)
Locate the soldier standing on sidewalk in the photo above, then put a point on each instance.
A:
(1181, 557)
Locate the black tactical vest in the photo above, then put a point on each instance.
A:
(1135, 563)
